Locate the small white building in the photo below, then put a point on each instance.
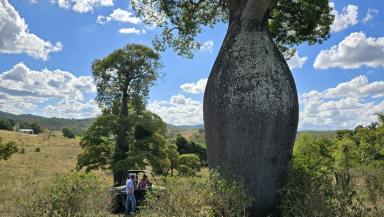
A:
(30, 131)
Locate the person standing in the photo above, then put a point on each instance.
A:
(130, 190)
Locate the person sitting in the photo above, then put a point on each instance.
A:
(144, 183)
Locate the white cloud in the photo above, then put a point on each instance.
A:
(132, 31)
(179, 110)
(195, 87)
(370, 15)
(15, 37)
(354, 51)
(296, 61)
(178, 99)
(119, 15)
(73, 109)
(64, 4)
(345, 106)
(84, 6)
(207, 46)
(348, 17)
(23, 90)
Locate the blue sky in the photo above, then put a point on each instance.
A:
(47, 47)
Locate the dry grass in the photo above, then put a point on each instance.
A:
(24, 173)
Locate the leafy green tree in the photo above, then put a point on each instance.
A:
(67, 133)
(7, 124)
(173, 157)
(123, 79)
(7, 149)
(189, 147)
(189, 164)
(98, 143)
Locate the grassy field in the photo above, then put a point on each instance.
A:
(23, 173)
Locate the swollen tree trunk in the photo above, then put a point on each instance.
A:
(251, 107)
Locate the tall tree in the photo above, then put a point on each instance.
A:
(250, 101)
(123, 79)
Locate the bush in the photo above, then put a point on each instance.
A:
(7, 149)
(189, 164)
(37, 149)
(71, 195)
(68, 133)
(196, 196)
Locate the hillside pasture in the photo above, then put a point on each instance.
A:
(28, 172)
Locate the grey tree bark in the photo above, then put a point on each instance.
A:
(251, 107)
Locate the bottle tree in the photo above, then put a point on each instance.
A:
(250, 101)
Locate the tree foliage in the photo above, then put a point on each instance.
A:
(337, 177)
(291, 22)
(7, 124)
(68, 133)
(130, 70)
(189, 147)
(147, 146)
(7, 149)
(189, 164)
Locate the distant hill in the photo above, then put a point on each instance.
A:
(77, 125)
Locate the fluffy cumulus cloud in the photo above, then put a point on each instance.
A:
(15, 37)
(72, 108)
(344, 19)
(84, 6)
(195, 87)
(132, 31)
(370, 15)
(296, 61)
(178, 110)
(23, 90)
(119, 15)
(207, 46)
(345, 106)
(354, 51)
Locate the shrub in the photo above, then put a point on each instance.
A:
(74, 195)
(37, 149)
(68, 133)
(189, 164)
(7, 149)
(196, 196)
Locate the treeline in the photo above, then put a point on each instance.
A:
(54, 124)
(10, 125)
(340, 176)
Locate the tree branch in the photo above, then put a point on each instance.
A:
(256, 9)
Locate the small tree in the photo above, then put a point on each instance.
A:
(173, 156)
(68, 133)
(7, 149)
(189, 164)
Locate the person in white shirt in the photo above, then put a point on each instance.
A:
(130, 190)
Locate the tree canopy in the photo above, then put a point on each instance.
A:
(291, 22)
(129, 71)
